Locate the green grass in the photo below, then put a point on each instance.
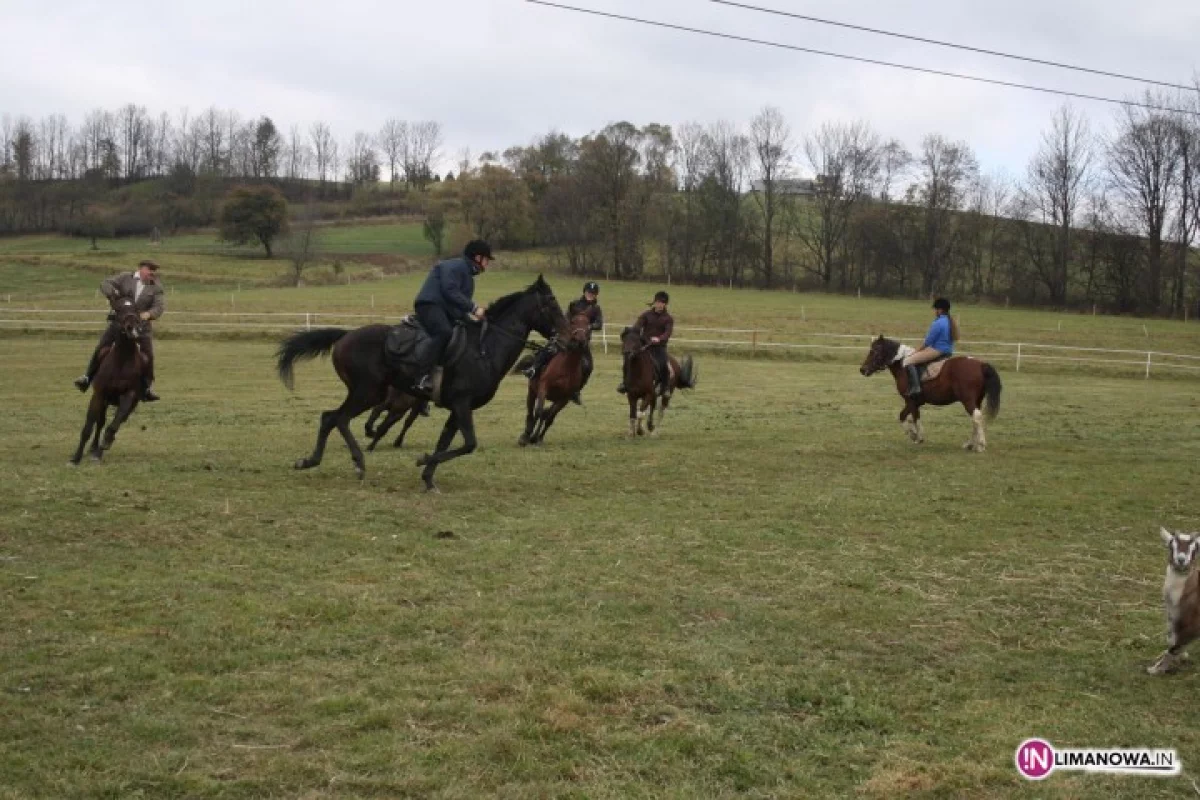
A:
(778, 596)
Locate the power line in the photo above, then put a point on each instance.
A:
(877, 62)
(939, 43)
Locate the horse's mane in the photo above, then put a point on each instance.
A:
(890, 348)
(504, 305)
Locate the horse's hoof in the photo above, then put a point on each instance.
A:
(431, 488)
(302, 463)
(398, 444)
(371, 447)
(522, 441)
(969, 446)
(423, 460)
(74, 462)
(360, 472)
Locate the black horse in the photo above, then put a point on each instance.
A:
(468, 383)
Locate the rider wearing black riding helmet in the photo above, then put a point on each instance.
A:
(587, 304)
(446, 298)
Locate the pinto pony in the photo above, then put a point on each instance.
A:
(962, 379)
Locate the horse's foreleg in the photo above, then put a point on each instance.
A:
(633, 415)
(101, 415)
(530, 418)
(549, 417)
(461, 416)
(128, 402)
(95, 409)
(539, 418)
(650, 413)
(370, 427)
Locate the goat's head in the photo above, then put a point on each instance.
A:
(1182, 549)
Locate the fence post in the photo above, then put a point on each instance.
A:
(1018, 356)
(307, 321)
(604, 337)
(754, 343)
(1147, 366)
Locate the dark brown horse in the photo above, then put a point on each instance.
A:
(118, 382)
(557, 383)
(962, 379)
(640, 385)
(489, 352)
(397, 405)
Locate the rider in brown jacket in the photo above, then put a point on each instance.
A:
(143, 288)
(656, 325)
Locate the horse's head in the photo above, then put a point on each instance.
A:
(579, 331)
(128, 321)
(1182, 549)
(548, 318)
(883, 352)
(632, 342)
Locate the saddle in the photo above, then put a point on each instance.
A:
(408, 349)
(929, 371)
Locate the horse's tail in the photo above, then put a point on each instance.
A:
(525, 363)
(991, 391)
(303, 345)
(688, 374)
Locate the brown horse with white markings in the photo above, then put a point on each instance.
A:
(962, 379)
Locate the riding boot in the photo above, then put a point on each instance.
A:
(914, 380)
(431, 384)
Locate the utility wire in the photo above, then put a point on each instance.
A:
(924, 40)
(926, 70)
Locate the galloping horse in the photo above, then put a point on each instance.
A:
(558, 382)
(468, 383)
(396, 405)
(640, 384)
(118, 382)
(962, 379)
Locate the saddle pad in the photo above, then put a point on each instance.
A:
(933, 369)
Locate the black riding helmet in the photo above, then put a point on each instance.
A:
(942, 304)
(663, 296)
(477, 247)
(591, 286)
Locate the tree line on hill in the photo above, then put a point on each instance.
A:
(1094, 221)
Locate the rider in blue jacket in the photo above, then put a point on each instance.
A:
(939, 343)
(446, 297)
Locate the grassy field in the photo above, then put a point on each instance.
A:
(776, 597)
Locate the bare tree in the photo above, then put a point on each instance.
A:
(322, 145)
(1058, 179)
(894, 162)
(846, 161)
(393, 141)
(1187, 206)
(362, 164)
(132, 121)
(425, 140)
(946, 172)
(771, 142)
(213, 129)
(297, 154)
(1143, 163)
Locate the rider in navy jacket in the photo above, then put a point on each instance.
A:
(447, 296)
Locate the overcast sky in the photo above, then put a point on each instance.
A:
(500, 72)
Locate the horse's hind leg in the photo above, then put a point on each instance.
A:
(408, 423)
(376, 434)
(978, 440)
(355, 404)
(370, 426)
(328, 422)
(530, 419)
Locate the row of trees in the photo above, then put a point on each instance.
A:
(131, 144)
(1094, 220)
